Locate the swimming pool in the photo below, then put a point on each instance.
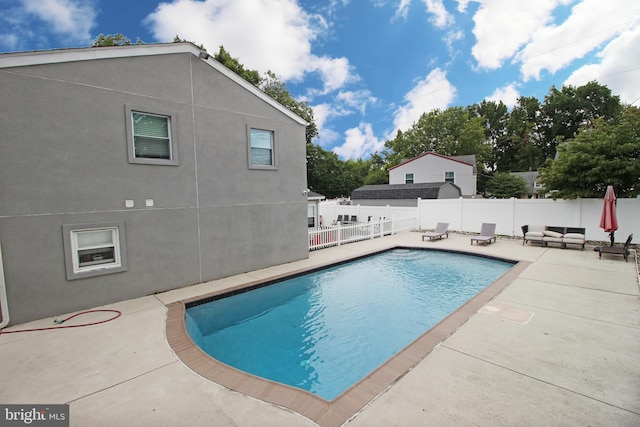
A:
(325, 331)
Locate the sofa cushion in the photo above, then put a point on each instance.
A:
(576, 236)
(552, 233)
(536, 228)
(537, 235)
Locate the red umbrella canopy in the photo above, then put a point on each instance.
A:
(608, 220)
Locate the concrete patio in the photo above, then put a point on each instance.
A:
(559, 346)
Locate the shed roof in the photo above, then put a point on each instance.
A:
(428, 190)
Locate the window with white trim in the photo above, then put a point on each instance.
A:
(94, 249)
(408, 178)
(151, 137)
(449, 177)
(262, 149)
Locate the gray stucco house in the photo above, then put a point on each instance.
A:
(130, 170)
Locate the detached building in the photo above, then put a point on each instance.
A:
(403, 194)
(130, 170)
(427, 176)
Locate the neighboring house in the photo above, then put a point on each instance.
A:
(130, 170)
(403, 194)
(533, 187)
(433, 168)
(313, 218)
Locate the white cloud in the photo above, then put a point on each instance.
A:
(619, 68)
(265, 35)
(402, 9)
(74, 18)
(358, 99)
(70, 20)
(359, 142)
(433, 92)
(503, 26)
(440, 17)
(508, 94)
(591, 23)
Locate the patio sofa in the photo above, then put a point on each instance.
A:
(545, 234)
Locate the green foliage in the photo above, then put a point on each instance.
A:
(452, 132)
(504, 185)
(177, 39)
(272, 86)
(566, 112)
(223, 57)
(113, 40)
(606, 153)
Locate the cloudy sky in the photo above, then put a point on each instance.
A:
(370, 67)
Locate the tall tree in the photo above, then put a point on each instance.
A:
(452, 132)
(495, 116)
(565, 112)
(327, 174)
(606, 154)
(519, 150)
(275, 88)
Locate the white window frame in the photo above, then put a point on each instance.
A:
(173, 136)
(409, 178)
(75, 268)
(274, 151)
(452, 179)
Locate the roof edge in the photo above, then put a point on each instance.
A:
(430, 153)
(58, 56)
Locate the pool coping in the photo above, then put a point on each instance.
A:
(353, 400)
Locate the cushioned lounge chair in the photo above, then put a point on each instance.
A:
(617, 250)
(441, 230)
(487, 234)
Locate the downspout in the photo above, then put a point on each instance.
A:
(4, 306)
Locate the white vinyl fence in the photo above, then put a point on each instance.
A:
(339, 233)
(509, 215)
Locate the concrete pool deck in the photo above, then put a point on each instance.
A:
(558, 346)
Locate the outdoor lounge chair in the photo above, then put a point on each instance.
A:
(487, 234)
(617, 250)
(441, 230)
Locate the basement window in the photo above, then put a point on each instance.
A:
(94, 249)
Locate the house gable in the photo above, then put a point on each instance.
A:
(433, 167)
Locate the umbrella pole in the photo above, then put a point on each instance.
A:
(611, 237)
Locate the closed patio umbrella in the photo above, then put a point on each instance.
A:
(608, 220)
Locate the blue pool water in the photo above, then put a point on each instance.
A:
(325, 331)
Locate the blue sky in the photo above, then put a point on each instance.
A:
(369, 68)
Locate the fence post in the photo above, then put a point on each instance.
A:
(339, 237)
(419, 214)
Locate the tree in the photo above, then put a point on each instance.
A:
(565, 112)
(452, 132)
(504, 185)
(113, 40)
(223, 57)
(327, 174)
(495, 117)
(605, 154)
(272, 86)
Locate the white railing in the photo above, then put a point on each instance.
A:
(339, 234)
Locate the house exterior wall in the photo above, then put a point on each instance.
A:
(64, 161)
(432, 168)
